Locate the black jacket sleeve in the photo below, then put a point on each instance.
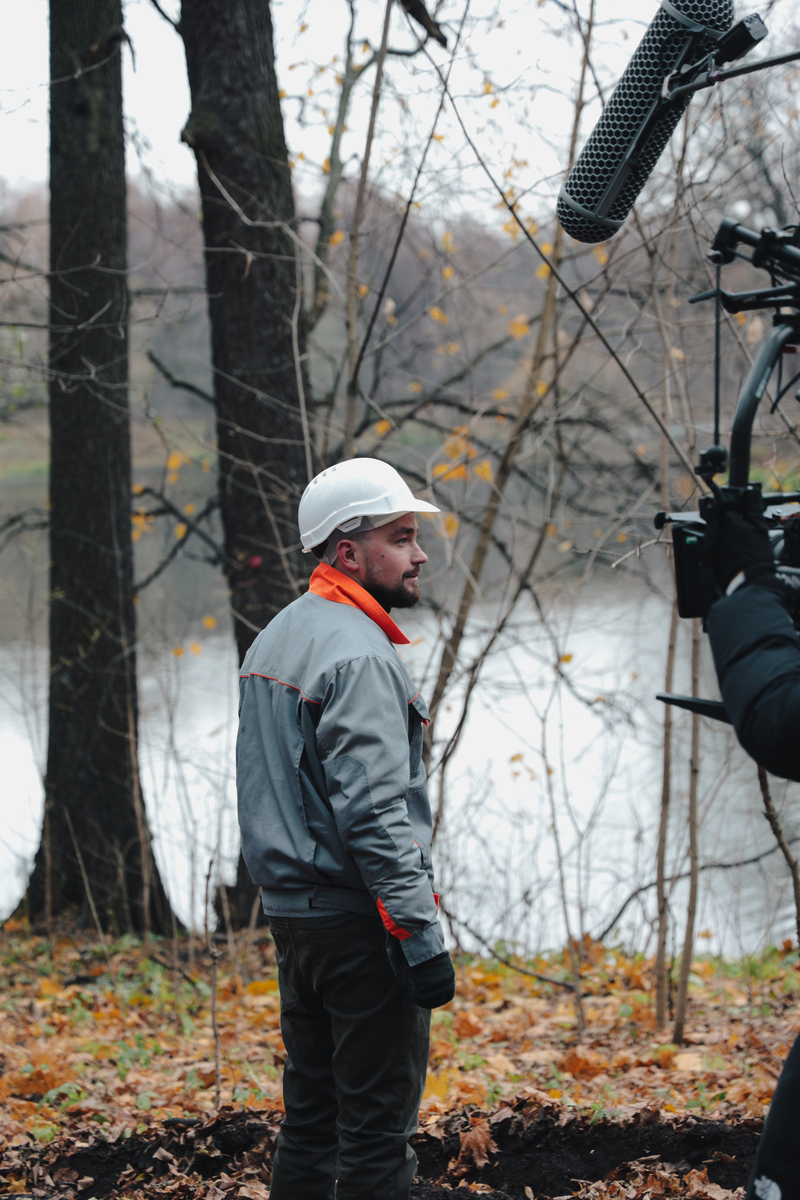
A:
(757, 657)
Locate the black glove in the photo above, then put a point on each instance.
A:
(740, 542)
(433, 981)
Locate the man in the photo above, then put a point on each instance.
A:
(757, 658)
(336, 829)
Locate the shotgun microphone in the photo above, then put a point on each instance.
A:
(637, 122)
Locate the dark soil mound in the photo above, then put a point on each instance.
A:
(545, 1150)
(551, 1157)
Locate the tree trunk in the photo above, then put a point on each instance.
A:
(93, 809)
(694, 773)
(663, 825)
(257, 338)
(236, 131)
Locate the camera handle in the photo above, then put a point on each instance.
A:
(704, 708)
(786, 332)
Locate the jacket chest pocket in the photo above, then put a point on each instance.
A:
(417, 720)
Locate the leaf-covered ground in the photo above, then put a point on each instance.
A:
(108, 1084)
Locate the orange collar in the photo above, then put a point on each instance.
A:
(333, 585)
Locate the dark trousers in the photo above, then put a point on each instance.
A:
(776, 1171)
(356, 1060)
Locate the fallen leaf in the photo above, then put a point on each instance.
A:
(476, 1145)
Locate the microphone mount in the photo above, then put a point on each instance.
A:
(708, 74)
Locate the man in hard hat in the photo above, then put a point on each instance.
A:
(336, 829)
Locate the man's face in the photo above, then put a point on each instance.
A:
(386, 562)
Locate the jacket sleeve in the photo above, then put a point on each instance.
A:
(363, 740)
(757, 657)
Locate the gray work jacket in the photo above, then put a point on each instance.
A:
(333, 807)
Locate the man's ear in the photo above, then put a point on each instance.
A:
(348, 554)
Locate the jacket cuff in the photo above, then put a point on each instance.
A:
(424, 944)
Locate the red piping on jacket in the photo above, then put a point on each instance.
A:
(283, 683)
(393, 929)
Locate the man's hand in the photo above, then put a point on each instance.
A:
(740, 542)
(433, 981)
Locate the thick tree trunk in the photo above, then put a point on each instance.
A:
(94, 829)
(257, 340)
(236, 131)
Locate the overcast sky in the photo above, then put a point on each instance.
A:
(156, 94)
(510, 53)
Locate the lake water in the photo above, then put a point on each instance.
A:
(562, 738)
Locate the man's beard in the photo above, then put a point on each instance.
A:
(396, 597)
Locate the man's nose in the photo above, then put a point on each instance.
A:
(419, 555)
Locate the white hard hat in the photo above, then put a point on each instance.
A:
(340, 496)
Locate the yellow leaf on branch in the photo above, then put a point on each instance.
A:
(447, 241)
(383, 427)
(447, 473)
(518, 326)
(336, 238)
(448, 273)
(416, 387)
(499, 394)
(209, 622)
(363, 290)
(180, 530)
(436, 314)
(450, 525)
(483, 470)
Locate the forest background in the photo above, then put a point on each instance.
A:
(262, 265)
(437, 335)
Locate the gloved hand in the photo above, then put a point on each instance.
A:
(740, 542)
(433, 981)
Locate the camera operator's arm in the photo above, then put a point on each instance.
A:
(757, 656)
(755, 646)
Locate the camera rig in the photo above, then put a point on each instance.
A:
(778, 252)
